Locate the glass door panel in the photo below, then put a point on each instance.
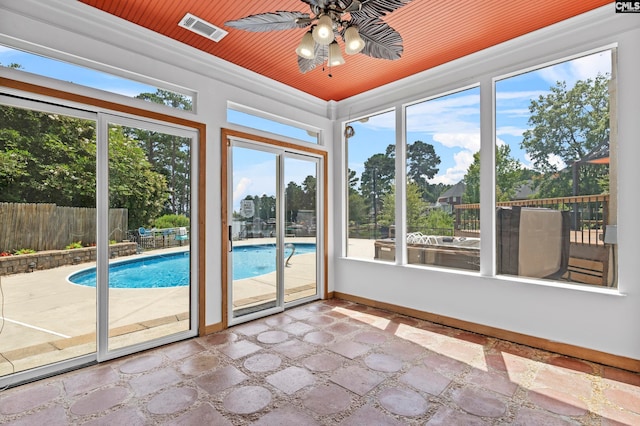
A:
(47, 236)
(301, 228)
(150, 291)
(255, 255)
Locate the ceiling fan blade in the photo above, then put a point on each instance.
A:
(377, 8)
(380, 40)
(273, 21)
(353, 6)
(322, 54)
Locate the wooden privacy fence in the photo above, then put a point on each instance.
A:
(50, 227)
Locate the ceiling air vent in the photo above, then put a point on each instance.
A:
(202, 27)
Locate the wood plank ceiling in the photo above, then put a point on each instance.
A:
(434, 32)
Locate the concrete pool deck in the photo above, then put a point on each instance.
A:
(48, 319)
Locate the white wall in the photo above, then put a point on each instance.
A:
(600, 319)
(74, 32)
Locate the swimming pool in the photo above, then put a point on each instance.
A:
(172, 270)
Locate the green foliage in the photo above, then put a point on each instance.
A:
(377, 180)
(168, 155)
(165, 97)
(510, 175)
(23, 251)
(171, 221)
(416, 208)
(51, 158)
(439, 219)
(74, 245)
(568, 124)
(132, 183)
(422, 165)
(46, 158)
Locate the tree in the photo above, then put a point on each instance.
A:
(510, 175)
(422, 165)
(169, 154)
(309, 193)
(416, 208)
(132, 183)
(294, 195)
(46, 158)
(165, 97)
(357, 204)
(51, 158)
(419, 217)
(569, 124)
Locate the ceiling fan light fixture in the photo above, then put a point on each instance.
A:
(335, 56)
(323, 31)
(306, 48)
(353, 43)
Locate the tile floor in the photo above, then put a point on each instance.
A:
(333, 362)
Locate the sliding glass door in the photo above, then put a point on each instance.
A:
(97, 258)
(148, 298)
(47, 232)
(274, 220)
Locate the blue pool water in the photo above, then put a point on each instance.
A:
(172, 270)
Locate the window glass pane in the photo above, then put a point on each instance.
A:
(553, 173)
(371, 184)
(60, 70)
(150, 193)
(47, 233)
(271, 126)
(443, 172)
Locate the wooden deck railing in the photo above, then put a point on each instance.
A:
(588, 215)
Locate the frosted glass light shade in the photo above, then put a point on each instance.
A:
(307, 46)
(353, 43)
(323, 31)
(335, 56)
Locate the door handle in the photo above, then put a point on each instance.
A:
(230, 239)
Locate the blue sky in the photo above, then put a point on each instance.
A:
(450, 123)
(72, 73)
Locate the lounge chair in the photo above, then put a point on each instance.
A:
(182, 235)
(147, 238)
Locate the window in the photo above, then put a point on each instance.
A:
(443, 143)
(60, 70)
(371, 186)
(556, 203)
(235, 114)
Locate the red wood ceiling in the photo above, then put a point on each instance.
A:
(434, 32)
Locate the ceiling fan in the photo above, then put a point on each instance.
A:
(358, 22)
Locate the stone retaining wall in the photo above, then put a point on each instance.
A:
(53, 258)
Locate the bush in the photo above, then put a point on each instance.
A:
(171, 221)
(75, 245)
(24, 251)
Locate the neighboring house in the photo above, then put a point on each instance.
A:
(451, 197)
(524, 191)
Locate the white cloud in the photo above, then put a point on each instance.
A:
(502, 95)
(557, 161)
(444, 115)
(553, 159)
(453, 175)
(510, 130)
(468, 141)
(578, 69)
(241, 190)
(514, 112)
